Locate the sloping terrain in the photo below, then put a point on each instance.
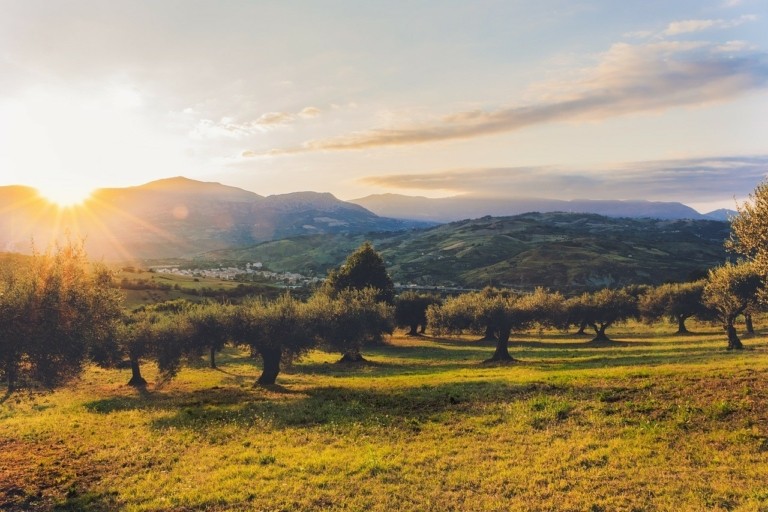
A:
(563, 251)
(177, 217)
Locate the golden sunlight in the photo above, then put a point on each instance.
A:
(65, 195)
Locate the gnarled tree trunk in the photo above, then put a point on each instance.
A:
(136, 379)
(750, 326)
(681, 329)
(501, 354)
(490, 334)
(352, 356)
(271, 358)
(600, 336)
(734, 343)
(582, 327)
(213, 357)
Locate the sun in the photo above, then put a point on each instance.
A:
(65, 195)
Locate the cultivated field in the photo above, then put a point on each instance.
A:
(652, 422)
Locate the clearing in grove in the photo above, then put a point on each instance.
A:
(650, 422)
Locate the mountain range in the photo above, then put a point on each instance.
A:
(177, 217)
(180, 217)
(565, 251)
(449, 209)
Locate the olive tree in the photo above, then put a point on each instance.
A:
(277, 331)
(602, 309)
(56, 308)
(677, 301)
(730, 291)
(481, 312)
(411, 310)
(210, 325)
(349, 321)
(749, 229)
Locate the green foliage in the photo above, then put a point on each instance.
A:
(364, 268)
(350, 320)
(602, 309)
(677, 301)
(278, 331)
(56, 310)
(411, 310)
(749, 229)
(730, 291)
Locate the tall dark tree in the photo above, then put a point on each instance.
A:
(730, 291)
(364, 268)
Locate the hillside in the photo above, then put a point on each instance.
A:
(563, 251)
(449, 209)
(177, 217)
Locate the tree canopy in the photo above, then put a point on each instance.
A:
(364, 268)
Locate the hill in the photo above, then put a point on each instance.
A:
(449, 209)
(177, 217)
(564, 251)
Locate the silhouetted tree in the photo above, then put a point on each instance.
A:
(364, 268)
(411, 310)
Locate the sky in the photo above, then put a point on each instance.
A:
(564, 99)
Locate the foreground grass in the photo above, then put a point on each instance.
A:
(653, 422)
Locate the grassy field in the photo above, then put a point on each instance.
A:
(653, 422)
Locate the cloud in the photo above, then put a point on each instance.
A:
(700, 179)
(310, 112)
(628, 79)
(228, 127)
(273, 118)
(687, 26)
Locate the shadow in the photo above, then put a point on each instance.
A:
(6, 396)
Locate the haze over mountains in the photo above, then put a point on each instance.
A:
(180, 217)
(455, 208)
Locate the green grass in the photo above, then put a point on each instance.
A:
(654, 422)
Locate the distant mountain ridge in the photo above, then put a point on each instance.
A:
(178, 217)
(571, 252)
(455, 208)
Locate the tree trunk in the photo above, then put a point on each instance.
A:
(681, 329)
(582, 326)
(271, 358)
(414, 330)
(734, 343)
(749, 324)
(213, 357)
(352, 356)
(600, 336)
(137, 380)
(423, 329)
(501, 354)
(11, 375)
(490, 334)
